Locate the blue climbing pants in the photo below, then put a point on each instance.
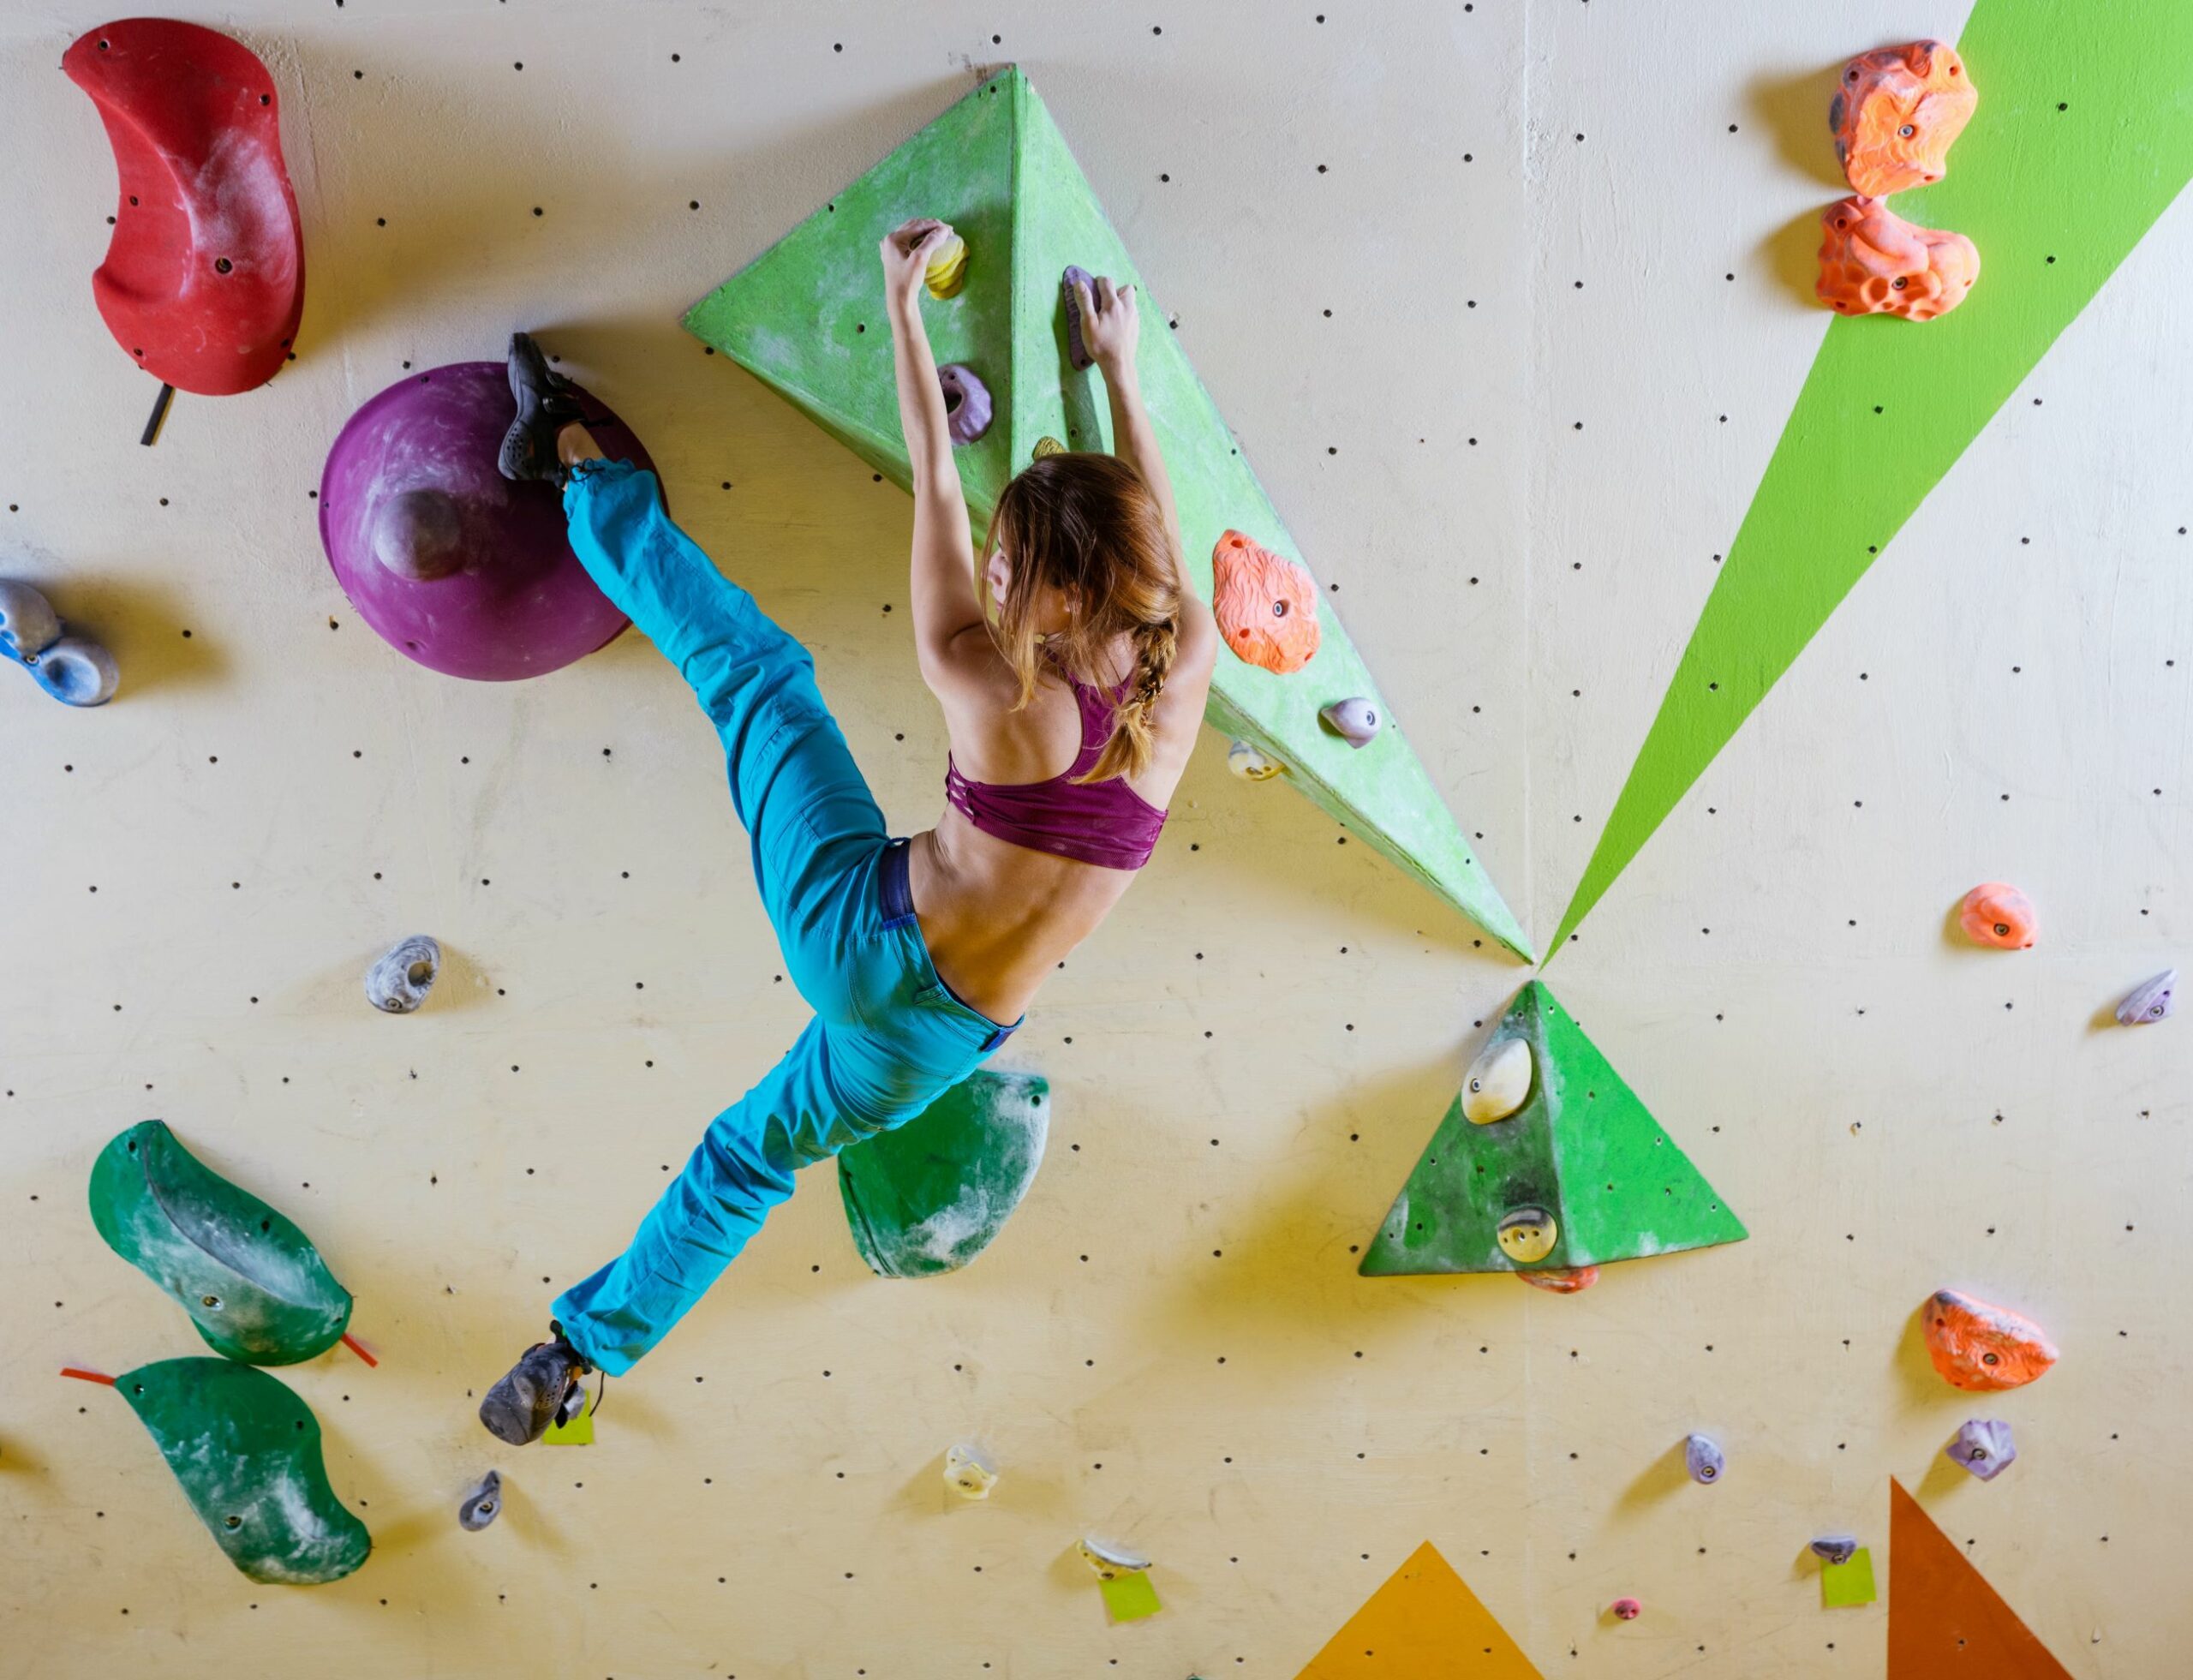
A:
(889, 1035)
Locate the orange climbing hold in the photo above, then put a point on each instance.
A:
(1896, 112)
(1424, 1621)
(1874, 262)
(1944, 1621)
(1267, 604)
(1980, 1347)
(1562, 1279)
(1996, 913)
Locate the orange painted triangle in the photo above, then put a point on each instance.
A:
(1424, 1622)
(1944, 1619)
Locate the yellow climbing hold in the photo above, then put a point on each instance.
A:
(947, 269)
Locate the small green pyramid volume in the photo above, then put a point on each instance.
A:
(928, 1196)
(807, 318)
(247, 1452)
(251, 1280)
(1582, 1148)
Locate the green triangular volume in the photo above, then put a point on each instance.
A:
(807, 318)
(930, 1195)
(251, 1280)
(1582, 1148)
(247, 1453)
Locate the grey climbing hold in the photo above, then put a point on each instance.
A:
(1076, 351)
(1702, 1457)
(1251, 765)
(74, 669)
(399, 982)
(2149, 1001)
(1984, 1447)
(966, 402)
(483, 1504)
(1835, 1548)
(1354, 720)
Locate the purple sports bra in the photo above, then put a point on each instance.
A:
(1102, 822)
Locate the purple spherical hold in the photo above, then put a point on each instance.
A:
(1702, 1458)
(1984, 1447)
(966, 402)
(449, 562)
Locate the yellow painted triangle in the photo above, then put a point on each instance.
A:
(1424, 1622)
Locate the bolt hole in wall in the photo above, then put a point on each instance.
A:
(1326, 1065)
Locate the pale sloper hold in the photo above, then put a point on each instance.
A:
(1354, 720)
(481, 1504)
(398, 983)
(1981, 1348)
(1109, 1559)
(1896, 112)
(1873, 262)
(1984, 1447)
(2149, 1001)
(1246, 762)
(967, 408)
(968, 1471)
(947, 270)
(1498, 1082)
(1996, 913)
(803, 317)
(1835, 1548)
(1527, 1234)
(1701, 1457)
(74, 669)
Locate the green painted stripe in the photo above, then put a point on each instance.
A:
(2083, 135)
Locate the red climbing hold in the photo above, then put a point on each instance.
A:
(205, 277)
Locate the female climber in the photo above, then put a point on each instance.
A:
(1071, 665)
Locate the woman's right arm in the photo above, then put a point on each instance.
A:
(1111, 329)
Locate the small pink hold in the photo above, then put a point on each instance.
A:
(1996, 913)
(1627, 1610)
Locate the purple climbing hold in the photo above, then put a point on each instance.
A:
(966, 402)
(2149, 1001)
(1355, 722)
(1702, 1458)
(1984, 1447)
(1076, 351)
(1835, 1548)
(449, 562)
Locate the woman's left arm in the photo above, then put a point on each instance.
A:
(944, 605)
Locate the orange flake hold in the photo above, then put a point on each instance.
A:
(1996, 913)
(1977, 1346)
(1266, 604)
(1873, 262)
(1896, 113)
(1562, 1279)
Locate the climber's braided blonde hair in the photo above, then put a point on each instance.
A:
(1087, 524)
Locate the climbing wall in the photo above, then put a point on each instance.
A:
(1509, 304)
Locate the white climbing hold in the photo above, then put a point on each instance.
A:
(399, 982)
(1111, 1561)
(1499, 1081)
(482, 1504)
(1246, 762)
(1356, 721)
(968, 1471)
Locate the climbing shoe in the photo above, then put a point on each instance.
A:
(546, 406)
(543, 1388)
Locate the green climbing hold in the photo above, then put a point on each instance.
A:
(1580, 1175)
(251, 1280)
(247, 1452)
(928, 1196)
(807, 318)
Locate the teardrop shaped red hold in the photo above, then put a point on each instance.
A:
(204, 280)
